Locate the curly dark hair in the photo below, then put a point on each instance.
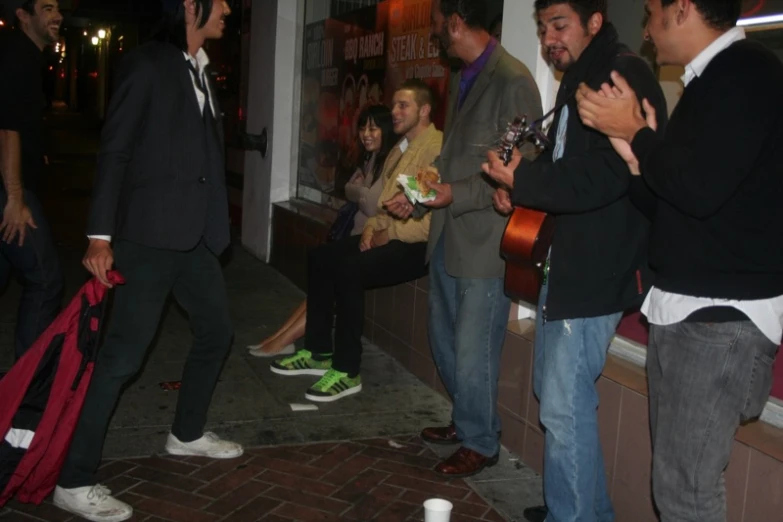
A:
(584, 8)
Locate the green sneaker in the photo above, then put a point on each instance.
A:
(333, 386)
(300, 363)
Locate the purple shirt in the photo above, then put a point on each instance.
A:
(471, 72)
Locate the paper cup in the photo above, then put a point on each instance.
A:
(437, 510)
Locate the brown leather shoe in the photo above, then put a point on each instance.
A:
(440, 434)
(464, 463)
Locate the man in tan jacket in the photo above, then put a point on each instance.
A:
(389, 251)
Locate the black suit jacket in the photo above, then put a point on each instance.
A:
(161, 180)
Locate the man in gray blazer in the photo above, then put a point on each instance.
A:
(468, 310)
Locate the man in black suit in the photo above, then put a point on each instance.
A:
(160, 214)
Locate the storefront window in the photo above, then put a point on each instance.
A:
(356, 53)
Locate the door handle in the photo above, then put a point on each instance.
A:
(257, 142)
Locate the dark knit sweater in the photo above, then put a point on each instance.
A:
(598, 258)
(718, 173)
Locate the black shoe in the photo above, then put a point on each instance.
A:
(535, 514)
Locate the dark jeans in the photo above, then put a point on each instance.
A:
(196, 280)
(338, 275)
(704, 379)
(40, 274)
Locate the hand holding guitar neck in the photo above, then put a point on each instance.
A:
(502, 164)
(517, 134)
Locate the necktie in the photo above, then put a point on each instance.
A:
(201, 86)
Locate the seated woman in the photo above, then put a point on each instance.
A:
(376, 137)
(389, 252)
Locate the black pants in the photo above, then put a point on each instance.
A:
(338, 274)
(196, 280)
(38, 267)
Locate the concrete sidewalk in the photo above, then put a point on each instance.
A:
(253, 406)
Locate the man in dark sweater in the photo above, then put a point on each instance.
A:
(26, 245)
(596, 266)
(716, 309)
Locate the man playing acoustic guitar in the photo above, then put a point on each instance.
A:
(596, 267)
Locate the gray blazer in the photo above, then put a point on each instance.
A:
(470, 226)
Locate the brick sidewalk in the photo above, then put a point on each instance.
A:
(332, 482)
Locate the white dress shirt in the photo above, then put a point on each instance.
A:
(662, 308)
(200, 62)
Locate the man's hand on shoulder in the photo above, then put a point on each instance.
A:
(16, 218)
(621, 145)
(99, 259)
(617, 116)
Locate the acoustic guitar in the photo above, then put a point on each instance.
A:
(528, 234)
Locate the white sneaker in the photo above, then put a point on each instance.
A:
(93, 503)
(210, 445)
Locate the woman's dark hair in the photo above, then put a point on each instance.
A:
(381, 116)
(171, 27)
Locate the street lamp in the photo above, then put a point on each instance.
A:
(101, 33)
(95, 40)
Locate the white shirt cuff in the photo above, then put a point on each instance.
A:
(105, 238)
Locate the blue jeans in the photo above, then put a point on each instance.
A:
(38, 266)
(569, 357)
(704, 379)
(467, 325)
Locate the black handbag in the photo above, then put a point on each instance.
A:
(343, 225)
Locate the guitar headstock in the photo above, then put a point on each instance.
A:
(517, 133)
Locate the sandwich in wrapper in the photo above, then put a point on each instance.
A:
(417, 188)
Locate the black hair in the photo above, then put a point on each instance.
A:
(718, 14)
(171, 27)
(496, 22)
(584, 8)
(422, 92)
(472, 12)
(28, 5)
(381, 116)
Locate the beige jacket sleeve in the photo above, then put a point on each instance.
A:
(411, 230)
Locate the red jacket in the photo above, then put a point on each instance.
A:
(42, 396)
